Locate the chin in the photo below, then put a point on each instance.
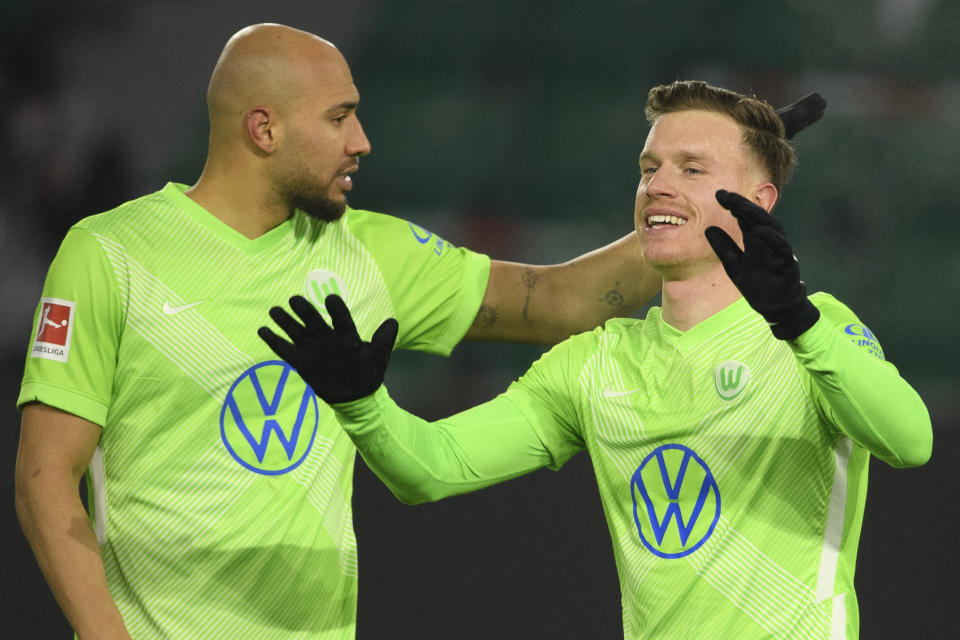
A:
(326, 210)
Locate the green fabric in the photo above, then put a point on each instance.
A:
(213, 531)
(731, 465)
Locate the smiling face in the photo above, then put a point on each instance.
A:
(687, 157)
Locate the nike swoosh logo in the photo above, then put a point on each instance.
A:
(609, 393)
(170, 310)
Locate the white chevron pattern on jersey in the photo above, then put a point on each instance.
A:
(188, 341)
(227, 486)
(728, 561)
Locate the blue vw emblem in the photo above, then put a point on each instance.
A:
(676, 501)
(269, 419)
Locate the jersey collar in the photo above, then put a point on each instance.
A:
(709, 327)
(175, 192)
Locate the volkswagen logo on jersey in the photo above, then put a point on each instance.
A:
(269, 419)
(676, 501)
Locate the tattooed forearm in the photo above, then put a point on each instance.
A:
(530, 281)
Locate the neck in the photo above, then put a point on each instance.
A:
(691, 300)
(239, 200)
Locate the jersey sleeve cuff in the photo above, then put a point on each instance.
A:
(64, 400)
(474, 287)
(353, 416)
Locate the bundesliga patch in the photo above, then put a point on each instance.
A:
(54, 328)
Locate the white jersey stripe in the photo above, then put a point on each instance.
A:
(833, 535)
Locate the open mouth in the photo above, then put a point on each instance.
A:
(343, 177)
(659, 220)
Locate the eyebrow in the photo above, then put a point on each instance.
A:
(343, 106)
(682, 156)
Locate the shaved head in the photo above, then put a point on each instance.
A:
(268, 65)
(283, 124)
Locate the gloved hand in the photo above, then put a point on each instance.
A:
(335, 362)
(802, 113)
(766, 271)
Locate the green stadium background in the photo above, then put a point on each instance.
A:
(514, 128)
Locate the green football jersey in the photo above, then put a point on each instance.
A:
(221, 489)
(734, 508)
(732, 466)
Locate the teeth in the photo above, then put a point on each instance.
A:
(348, 178)
(661, 219)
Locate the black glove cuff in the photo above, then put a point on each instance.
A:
(794, 321)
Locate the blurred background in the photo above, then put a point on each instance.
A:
(513, 127)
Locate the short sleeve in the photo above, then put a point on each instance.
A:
(435, 288)
(73, 346)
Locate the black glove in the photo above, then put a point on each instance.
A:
(802, 113)
(766, 271)
(336, 363)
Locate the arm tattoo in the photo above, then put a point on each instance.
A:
(613, 297)
(530, 280)
(486, 317)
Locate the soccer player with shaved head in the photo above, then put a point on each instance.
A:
(730, 430)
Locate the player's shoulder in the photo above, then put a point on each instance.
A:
(607, 335)
(366, 223)
(126, 215)
(386, 234)
(621, 326)
(362, 220)
(576, 352)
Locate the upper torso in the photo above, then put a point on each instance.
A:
(226, 482)
(723, 487)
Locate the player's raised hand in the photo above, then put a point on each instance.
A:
(765, 271)
(334, 361)
(802, 113)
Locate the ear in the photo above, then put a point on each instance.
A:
(765, 196)
(261, 125)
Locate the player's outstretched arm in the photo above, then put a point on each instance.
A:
(419, 461)
(546, 304)
(861, 395)
(422, 461)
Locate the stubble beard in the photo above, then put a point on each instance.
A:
(305, 192)
(320, 207)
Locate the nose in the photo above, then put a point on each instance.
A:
(357, 143)
(661, 183)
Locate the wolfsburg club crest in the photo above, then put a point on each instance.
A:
(731, 377)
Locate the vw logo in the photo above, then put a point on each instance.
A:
(676, 501)
(269, 419)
